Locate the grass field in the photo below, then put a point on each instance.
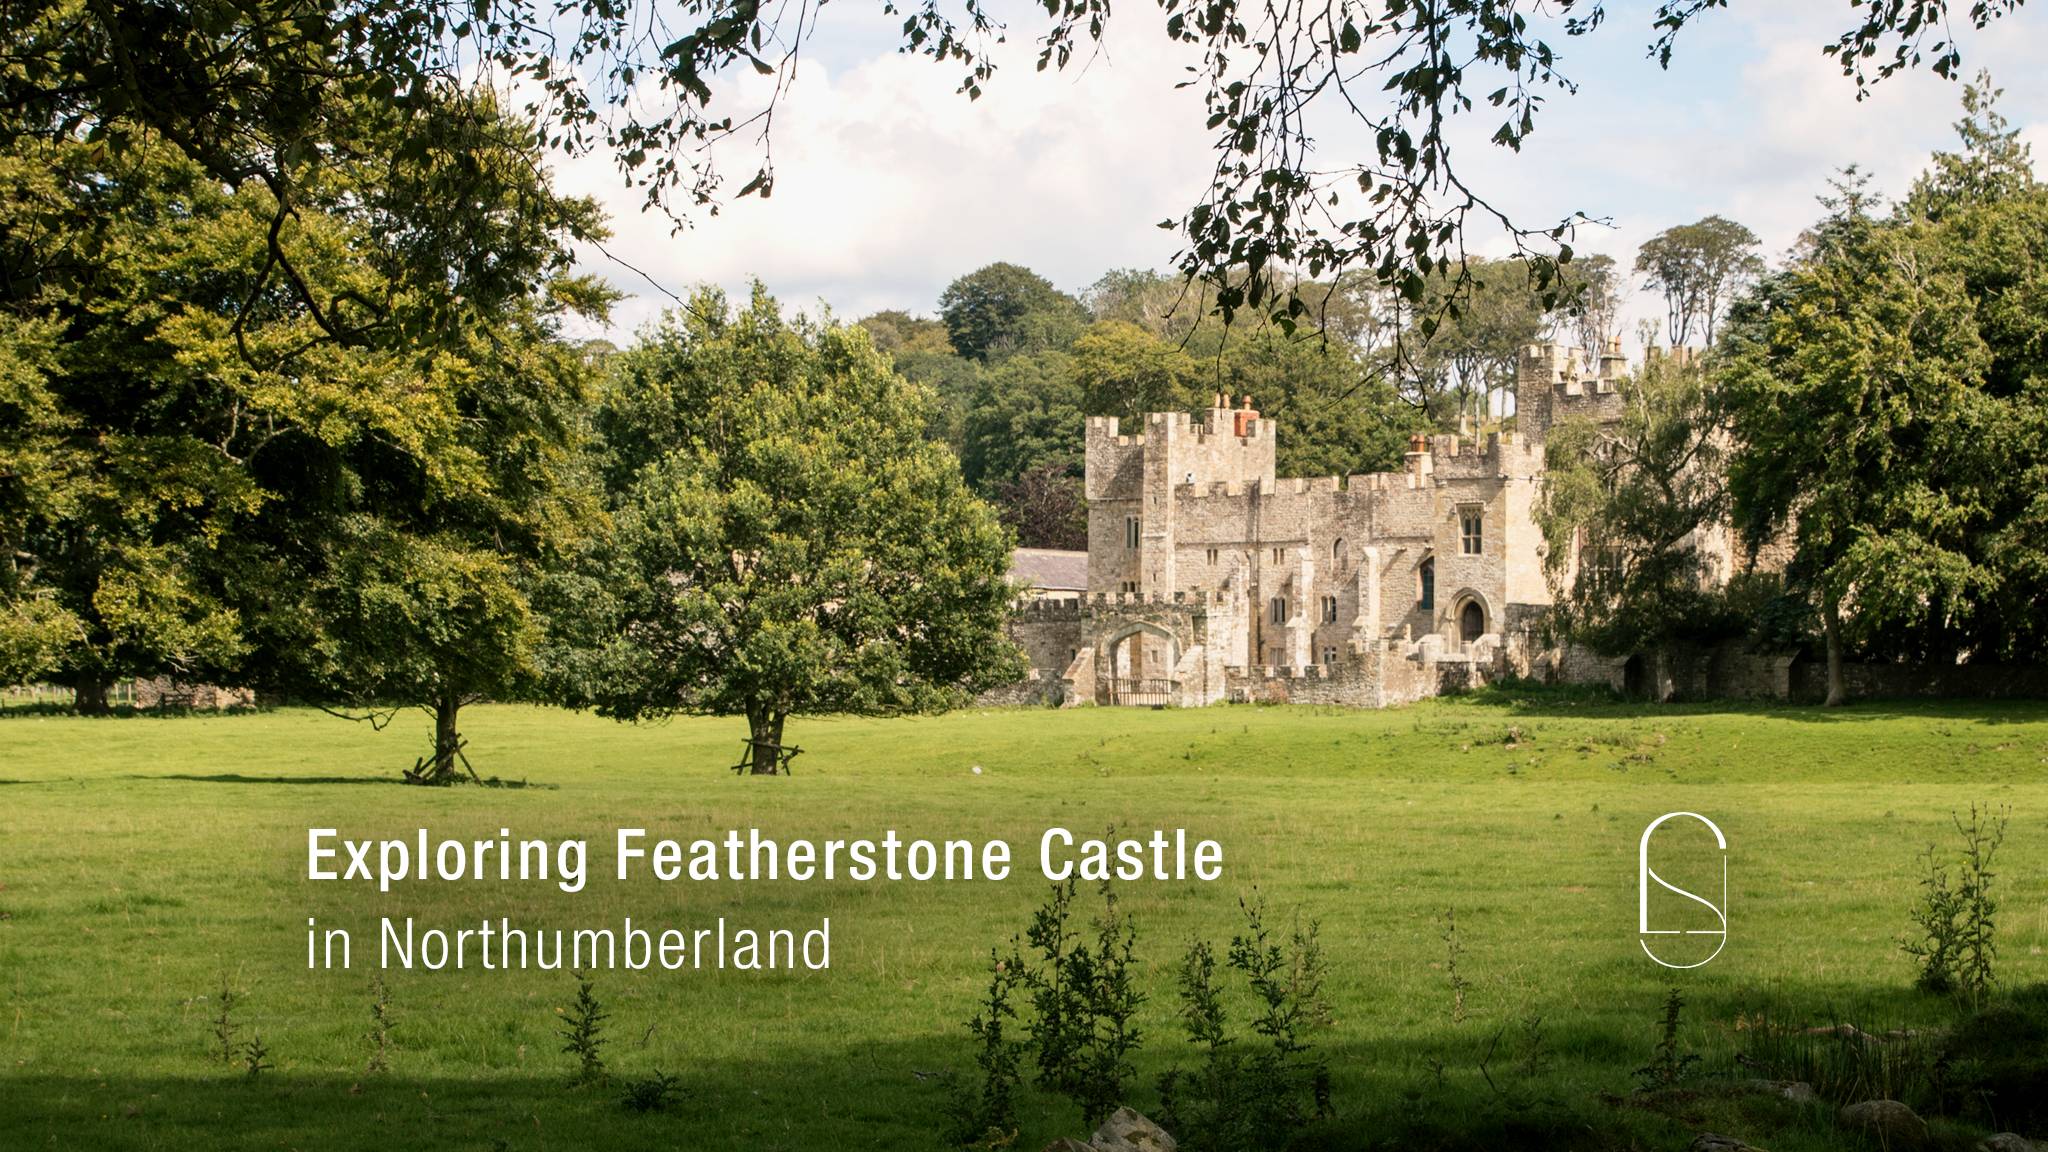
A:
(144, 860)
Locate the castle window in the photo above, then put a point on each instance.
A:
(1337, 552)
(1130, 531)
(1329, 609)
(1471, 534)
(1329, 655)
(1604, 569)
(1127, 586)
(1277, 610)
(1425, 585)
(1212, 556)
(1279, 555)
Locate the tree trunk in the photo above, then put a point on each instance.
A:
(764, 741)
(1831, 627)
(89, 696)
(447, 741)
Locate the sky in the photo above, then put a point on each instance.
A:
(889, 184)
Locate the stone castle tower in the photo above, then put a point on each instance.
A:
(1204, 565)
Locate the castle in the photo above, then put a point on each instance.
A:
(1209, 578)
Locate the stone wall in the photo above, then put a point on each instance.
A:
(163, 692)
(1379, 677)
(1808, 681)
(1052, 633)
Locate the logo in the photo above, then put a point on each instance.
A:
(1692, 929)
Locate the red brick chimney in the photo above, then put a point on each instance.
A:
(1244, 417)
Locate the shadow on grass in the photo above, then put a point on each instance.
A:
(1418, 1094)
(881, 1097)
(240, 778)
(1590, 702)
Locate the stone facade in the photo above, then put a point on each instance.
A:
(1211, 578)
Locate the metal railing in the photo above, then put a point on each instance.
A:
(1139, 692)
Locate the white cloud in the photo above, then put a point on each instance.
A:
(889, 184)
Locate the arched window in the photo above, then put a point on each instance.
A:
(1425, 585)
(1337, 552)
(1277, 610)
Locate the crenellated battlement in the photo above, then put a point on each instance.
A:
(1038, 609)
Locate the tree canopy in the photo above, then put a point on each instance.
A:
(312, 447)
(1003, 309)
(1885, 394)
(1698, 268)
(793, 544)
(250, 88)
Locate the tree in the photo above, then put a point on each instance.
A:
(1467, 335)
(241, 87)
(110, 506)
(396, 561)
(1993, 165)
(1855, 382)
(1045, 507)
(1003, 309)
(1124, 371)
(240, 426)
(796, 546)
(1028, 415)
(1698, 267)
(922, 354)
(1593, 295)
(1623, 509)
(1336, 416)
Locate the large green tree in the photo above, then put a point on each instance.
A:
(1889, 400)
(1337, 415)
(793, 544)
(113, 500)
(1863, 394)
(923, 354)
(1623, 505)
(312, 444)
(1699, 268)
(1005, 309)
(1124, 371)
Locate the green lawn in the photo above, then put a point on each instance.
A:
(141, 859)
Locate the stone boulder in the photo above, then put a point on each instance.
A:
(1127, 1131)
(2005, 1142)
(1797, 1091)
(1892, 1123)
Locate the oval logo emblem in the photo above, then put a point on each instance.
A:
(1686, 924)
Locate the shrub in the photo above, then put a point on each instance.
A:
(1671, 1064)
(1957, 916)
(987, 1115)
(1995, 1063)
(583, 1033)
(380, 1027)
(224, 1026)
(1246, 1097)
(1084, 1002)
(649, 1093)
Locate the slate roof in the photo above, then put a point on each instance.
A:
(1049, 569)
